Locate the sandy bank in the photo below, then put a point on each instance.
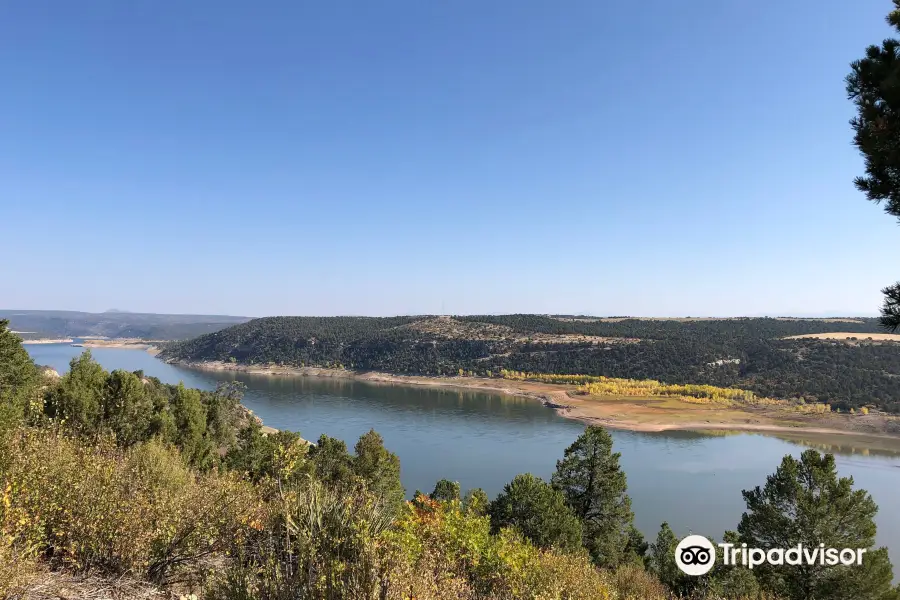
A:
(632, 414)
(126, 343)
(122, 344)
(46, 341)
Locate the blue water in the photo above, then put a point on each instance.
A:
(691, 480)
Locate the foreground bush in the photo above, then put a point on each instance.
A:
(445, 552)
(17, 555)
(316, 542)
(100, 508)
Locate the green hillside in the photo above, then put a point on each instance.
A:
(750, 353)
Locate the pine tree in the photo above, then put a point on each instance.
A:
(661, 561)
(78, 399)
(19, 378)
(476, 502)
(538, 511)
(805, 502)
(595, 488)
(379, 468)
(128, 409)
(333, 464)
(250, 455)
(874, 86)
(190, 422)
(446, 491)
(222, 413)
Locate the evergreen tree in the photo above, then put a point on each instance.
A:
(538, 511)
(595, 488)
(661, 560)
(252, 453)
(222, 412)
(476, 502)
(78, 399)
(190, 421)
(379, 468)
(128, 409)
(805, 502)
(874, 86)
(19, 378)
(446, 491)
(333, 464)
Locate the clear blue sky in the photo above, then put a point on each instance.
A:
(257, 158)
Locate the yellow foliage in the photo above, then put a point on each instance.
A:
(598, 385)
(630, 582)
(444, 552)
(342, 548)
(548, 377)
(648, 387)
(17, 552)
(594, 385)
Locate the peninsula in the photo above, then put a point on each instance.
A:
(736, 374)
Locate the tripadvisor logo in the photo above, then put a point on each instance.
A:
(695, 555)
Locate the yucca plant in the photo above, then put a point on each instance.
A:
(318, 542)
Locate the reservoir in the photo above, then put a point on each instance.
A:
(691, 480)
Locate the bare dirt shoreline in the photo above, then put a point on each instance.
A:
(150, 346)
(126, 343)
(618, 413)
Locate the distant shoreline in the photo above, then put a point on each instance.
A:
(615, 413)
(150, 346)
(122, 343)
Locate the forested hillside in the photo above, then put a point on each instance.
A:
(749, 353)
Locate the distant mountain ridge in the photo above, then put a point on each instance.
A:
(148, 326)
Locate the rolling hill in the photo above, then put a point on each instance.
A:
(750, 353)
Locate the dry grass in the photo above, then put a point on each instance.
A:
(657, 412)
(845, 336)
(691, 319)
(65, 586)
(450, 328)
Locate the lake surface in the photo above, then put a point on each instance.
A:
(691, 480)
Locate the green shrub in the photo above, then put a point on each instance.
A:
(631, 582)
(88, 401)
(19, 379)
(259, 456)
(98, 507)
(444, 551)
(538, 511)
(317, 542)
(18, 548)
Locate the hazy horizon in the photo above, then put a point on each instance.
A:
(824, 315)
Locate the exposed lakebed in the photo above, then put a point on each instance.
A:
(692, 480)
